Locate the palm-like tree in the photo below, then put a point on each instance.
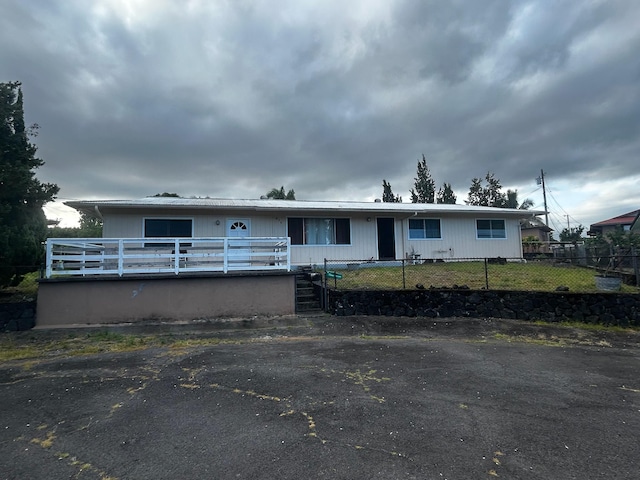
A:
(279, 194)
(512, 201)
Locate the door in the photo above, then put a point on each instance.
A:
(239, 254)
(386, 239)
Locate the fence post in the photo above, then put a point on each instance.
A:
(486, 273)
(48, 259)
(636, 267)
(325, 287)
(120, 257)
(404, 278)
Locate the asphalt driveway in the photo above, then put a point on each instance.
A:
(331, 398)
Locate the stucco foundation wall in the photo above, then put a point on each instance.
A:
(120, 300)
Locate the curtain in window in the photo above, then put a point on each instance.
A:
(319, 231)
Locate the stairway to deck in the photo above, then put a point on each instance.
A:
(306, 298)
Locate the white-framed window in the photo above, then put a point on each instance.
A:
(488, 229)
(424, 228)
(319, 231)
(167, 227)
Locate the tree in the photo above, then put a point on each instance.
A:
(512, 201)
(571, 234)
(90, 227)
(476, 195)
(388, 195)
(424, 190)
(167, 194)
(615, 238)
(446, 195)
(23, 225)
(279, 194)
(489, 195)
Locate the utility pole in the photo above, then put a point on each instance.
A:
(540, 180)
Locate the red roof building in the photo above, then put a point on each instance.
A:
(622, 222)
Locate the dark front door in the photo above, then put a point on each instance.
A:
(386, 239)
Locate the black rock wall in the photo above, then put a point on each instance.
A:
(608, 309)
(16, 316)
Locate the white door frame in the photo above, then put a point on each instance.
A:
(241, 257)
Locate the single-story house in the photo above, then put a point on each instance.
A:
(321, 230)
(621, 222)
(197, 258)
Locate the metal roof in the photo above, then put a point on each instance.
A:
(624, 219)
(267, 205)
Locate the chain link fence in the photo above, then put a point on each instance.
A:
(583, 274)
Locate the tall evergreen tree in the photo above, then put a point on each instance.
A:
(476, 195)
(494, 191)
(424, 190)
(388, 195)
(23, 225)
(446, 195)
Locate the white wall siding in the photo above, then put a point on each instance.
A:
(122, 226)
(459, 235)
(459, 240)
(363, 246)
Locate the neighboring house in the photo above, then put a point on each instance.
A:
(536, 235)
(621, 222)
(635, 226)
(323, 229)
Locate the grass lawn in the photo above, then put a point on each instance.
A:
(532, 276)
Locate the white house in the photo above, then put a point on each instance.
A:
(194, 258)
(321, 230)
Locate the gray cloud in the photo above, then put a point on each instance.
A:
(232, 99)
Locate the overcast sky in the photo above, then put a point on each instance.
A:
(232, 98)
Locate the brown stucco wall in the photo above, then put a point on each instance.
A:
(117, 300)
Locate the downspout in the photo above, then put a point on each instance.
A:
(99, 214)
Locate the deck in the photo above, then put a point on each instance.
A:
(123, 256)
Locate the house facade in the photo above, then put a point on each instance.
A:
(180, 259)
(622, 222)
(323, 230)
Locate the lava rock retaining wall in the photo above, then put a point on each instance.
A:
(17, 316)
(608, 309)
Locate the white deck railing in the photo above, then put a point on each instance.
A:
(122, 256)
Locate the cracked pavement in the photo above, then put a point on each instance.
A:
(332, 398)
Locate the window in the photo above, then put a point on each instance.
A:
(319, 231)
(491, 229)
(167, 227)
(424, 228)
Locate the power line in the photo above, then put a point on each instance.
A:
(566, 214)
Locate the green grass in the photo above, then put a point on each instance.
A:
(27, 288)
(593, 327)
(34, 348)
(532, 276)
